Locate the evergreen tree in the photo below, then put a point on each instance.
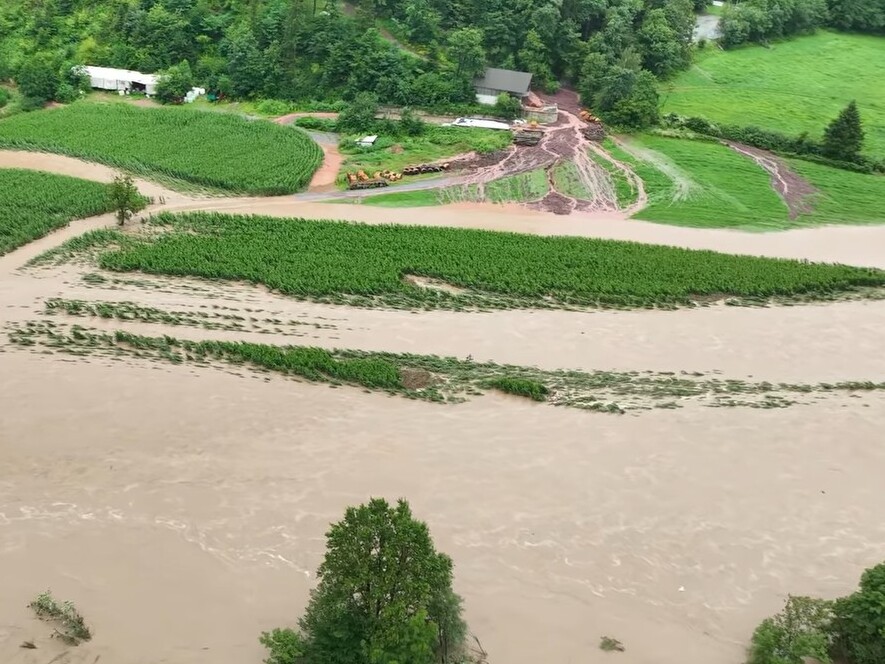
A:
(843, 137)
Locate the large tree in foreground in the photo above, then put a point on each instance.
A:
(384, 597)
(843, 137)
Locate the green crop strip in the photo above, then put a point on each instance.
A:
(33, 204)
(367, 265)
(218, 150)
(435, 378)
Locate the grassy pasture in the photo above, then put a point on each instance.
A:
(205, 149)
(365, 264)
(419, 198)
(34, 203)
(528, 186)
(843, 196)
(793, 86)
(705, 184)
(522, 187)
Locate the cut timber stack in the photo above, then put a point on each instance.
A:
(594, 131)
(425, 168)
(527, 136)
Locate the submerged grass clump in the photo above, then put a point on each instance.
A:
(523, 387)
(433, 378)
(71, 626)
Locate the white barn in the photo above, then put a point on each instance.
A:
(124, 80)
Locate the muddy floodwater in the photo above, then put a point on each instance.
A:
(183, 508)
(185, 511)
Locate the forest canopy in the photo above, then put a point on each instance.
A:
(421, 53)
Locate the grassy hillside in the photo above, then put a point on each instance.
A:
(205, 149)
(705, 184)
(843, 196)
(794, 86)
(33, 204)
(698, 183)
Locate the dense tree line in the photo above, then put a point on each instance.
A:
(764, 20)
(320, 49)
(612, 51)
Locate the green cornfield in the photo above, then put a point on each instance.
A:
(33, 203)
(324, 259)
(218, 150)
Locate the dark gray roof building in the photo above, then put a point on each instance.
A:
(496, 81)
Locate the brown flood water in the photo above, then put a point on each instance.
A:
(183, 509)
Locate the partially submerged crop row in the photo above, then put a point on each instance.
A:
(370, 265)
(436, 378)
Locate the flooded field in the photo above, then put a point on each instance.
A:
(185, 513)
(183, 508)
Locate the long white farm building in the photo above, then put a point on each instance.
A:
(124, 80)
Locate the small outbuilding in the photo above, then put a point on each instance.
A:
(121, 80)
(496, 81)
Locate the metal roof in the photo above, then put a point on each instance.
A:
(112, 74)
(505, 80)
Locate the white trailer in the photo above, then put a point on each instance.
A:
(476, 122)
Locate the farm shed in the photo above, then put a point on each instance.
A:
(107, 78)
(496, 81)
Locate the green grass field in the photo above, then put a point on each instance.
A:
(331, 261)
(843, 196)
(699, 183)
(395, 152)
(793, 86)
(705, 184)
(522, 187)
(528, 186)
(205, 149)
(33, 203)
(397, 199)
(624, 190)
